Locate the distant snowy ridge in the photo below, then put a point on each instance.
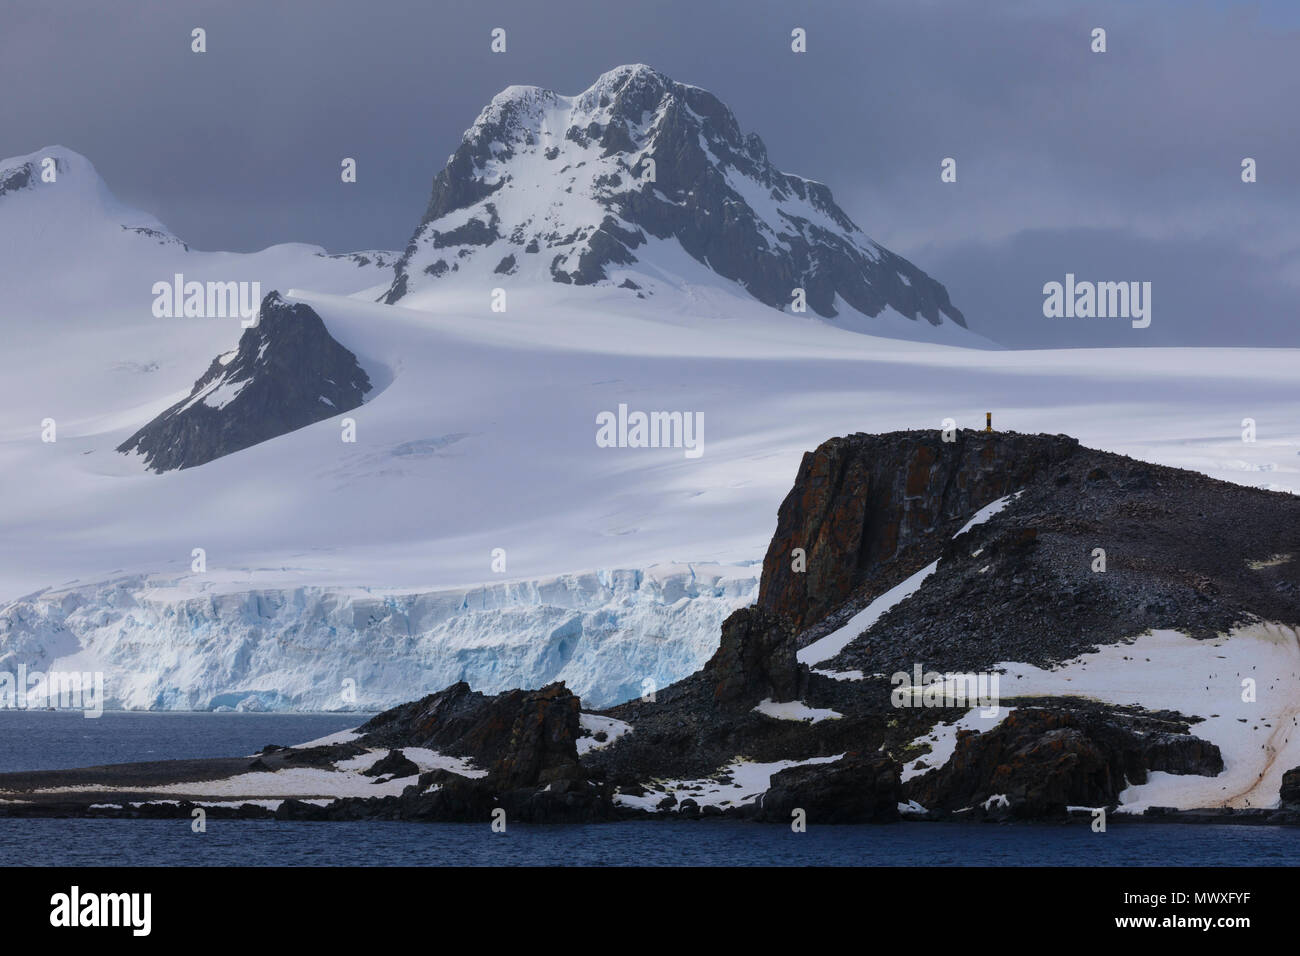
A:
(70, 190)
(73, 252)
(176, 645)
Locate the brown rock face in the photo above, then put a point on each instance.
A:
(523, 737)
(543, 741)
(865, 501)
(527, 740)
(755, 660)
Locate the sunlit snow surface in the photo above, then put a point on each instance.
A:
(1259, 738)
(795, 710)
(593, 724)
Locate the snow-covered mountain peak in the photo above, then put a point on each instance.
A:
(522, 109)
(45, 167)
(610, 186)
(59, 185)
(629, 90)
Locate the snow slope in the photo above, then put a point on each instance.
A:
(485, 439)
(1257, 729)
(1244, 687)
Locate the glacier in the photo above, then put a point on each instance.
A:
(168, 644)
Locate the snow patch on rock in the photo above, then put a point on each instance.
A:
(795, 710)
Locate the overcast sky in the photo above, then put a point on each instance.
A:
(1116, 166)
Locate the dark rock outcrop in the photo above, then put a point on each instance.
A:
(525, 740)
(380, 258)
(1043, 760)
(755, 660)
(543, 740)
(394, 764)
(26, 175)
(1291, 789)
(870, 511)
(157, 236)
(286, 373)
(16, 178)
(856, 788)
(522, 738)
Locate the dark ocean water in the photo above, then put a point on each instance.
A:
(57, 740)
(669, 843)
(41, 740)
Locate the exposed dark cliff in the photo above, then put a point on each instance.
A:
(286, 373)
(871, 509)
(1182, 551)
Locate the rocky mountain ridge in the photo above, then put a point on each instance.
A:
(587, 190)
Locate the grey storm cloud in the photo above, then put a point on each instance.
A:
(1068, 161)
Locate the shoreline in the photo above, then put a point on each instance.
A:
(49, 794)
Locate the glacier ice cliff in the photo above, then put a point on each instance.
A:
(180, 644)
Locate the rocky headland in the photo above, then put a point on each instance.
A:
(891, 553)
